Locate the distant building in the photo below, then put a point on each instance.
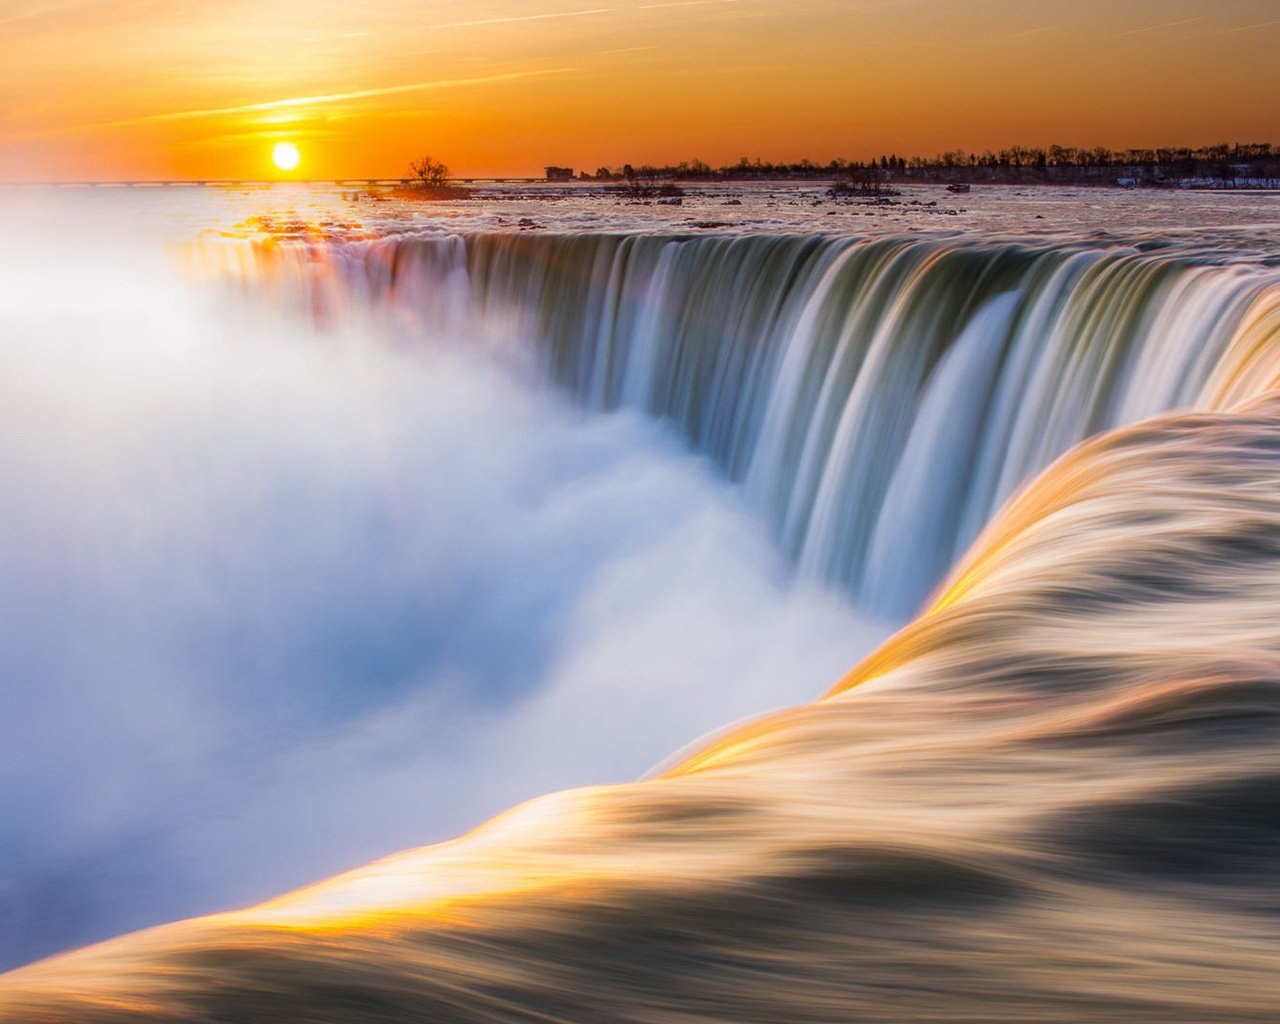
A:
(559, 174)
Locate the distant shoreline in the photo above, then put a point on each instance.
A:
(469, 188)
(1251, 167)
(885, 182)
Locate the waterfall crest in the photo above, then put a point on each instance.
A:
(877, 400)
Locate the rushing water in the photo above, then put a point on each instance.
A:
(276, 601)
(1051, 797)
(878, 401)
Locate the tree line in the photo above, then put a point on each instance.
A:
(1245, 164)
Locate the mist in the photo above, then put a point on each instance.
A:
(276, 600)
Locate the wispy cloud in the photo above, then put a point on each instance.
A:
(1158, 28)
(63, 10)
(583, 13)
(338, 97)
(589, 12)
(1027, 33)
(1255, 27)
(302, 101)
(685, 3)
(33, 13)
(267, 135)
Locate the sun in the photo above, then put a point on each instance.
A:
(285, 155)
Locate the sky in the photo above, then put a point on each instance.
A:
(178, 89)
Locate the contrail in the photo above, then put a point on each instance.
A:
(336, 97)
(585, 13)
(297, 101)
(1157, 28)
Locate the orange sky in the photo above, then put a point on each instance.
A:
(174, 88)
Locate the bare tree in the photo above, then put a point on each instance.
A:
(429, 172)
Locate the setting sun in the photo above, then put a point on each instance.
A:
(285, 155)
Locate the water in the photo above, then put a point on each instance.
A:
(420, 516)
(277, 600)
(877, 401)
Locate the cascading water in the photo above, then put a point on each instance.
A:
(1051, 797)
(877, 400)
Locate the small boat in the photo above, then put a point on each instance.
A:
(957, 188)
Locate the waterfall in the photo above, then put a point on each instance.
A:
(876, 400)
(1052, 796)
